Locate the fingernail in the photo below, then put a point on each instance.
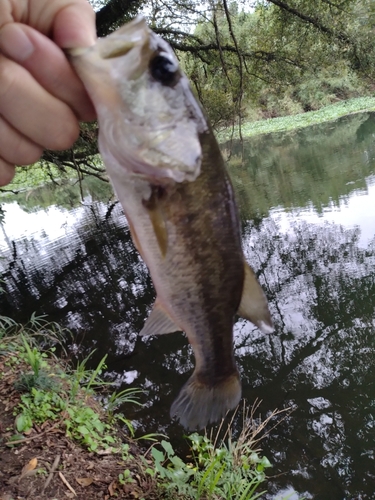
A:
(14, 43)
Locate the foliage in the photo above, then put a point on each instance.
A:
(117, 399)
(39, 377)
(234, 468)
(229, 468)
(176, 475)
(38, 406)
(215, 473)
(40, 174)
(52, 393)
(85, 425)
(289, 64)
(2, 215)
(48, 332)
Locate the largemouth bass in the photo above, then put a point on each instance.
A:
(168, 173)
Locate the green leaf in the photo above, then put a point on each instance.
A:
(157, 455)
(168, 448)
(23, 423)
(83, 430)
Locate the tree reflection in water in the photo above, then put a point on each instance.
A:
(321, 358)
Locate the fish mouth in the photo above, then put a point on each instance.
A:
(133, 40)
(123, 40)
(118, 43)
(121, 49)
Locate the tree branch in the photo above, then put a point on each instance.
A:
(314, 21)
(115, 13)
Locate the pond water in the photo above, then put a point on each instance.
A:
(307, 204)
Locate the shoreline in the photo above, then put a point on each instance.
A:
(302, 120)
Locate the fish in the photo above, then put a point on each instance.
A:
(167, 170)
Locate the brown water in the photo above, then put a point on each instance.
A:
(308, 210)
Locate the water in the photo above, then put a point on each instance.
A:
(307, 203)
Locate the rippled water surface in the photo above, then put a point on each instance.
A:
(307, 203)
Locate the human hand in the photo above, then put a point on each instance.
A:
(41, 98)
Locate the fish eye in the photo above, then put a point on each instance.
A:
(164, 70)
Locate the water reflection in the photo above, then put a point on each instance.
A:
(83, 271)
(313, 168)
(321, 358)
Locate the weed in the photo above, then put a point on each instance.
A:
(37, 407)
(89, 379)
(87, 427)
(222, 469)
(125, 477)
(27, 381)
(49, 394)
(82, 423)
(177, 474)
(6, 325)
(38, 378)
(118, 399)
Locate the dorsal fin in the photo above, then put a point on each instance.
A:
(159, 322)
(254, 305)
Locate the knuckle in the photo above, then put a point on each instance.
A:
(16, 148)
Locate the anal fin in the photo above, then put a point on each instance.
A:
(159, 322)
(254, 305)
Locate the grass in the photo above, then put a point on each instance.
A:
(51, 392)
(221, 468)
(287, 123)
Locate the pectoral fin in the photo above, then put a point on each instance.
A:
(254, 306)
(155, 211)
(160, 230)
(158, 322)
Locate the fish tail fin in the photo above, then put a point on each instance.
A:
(199, 404)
